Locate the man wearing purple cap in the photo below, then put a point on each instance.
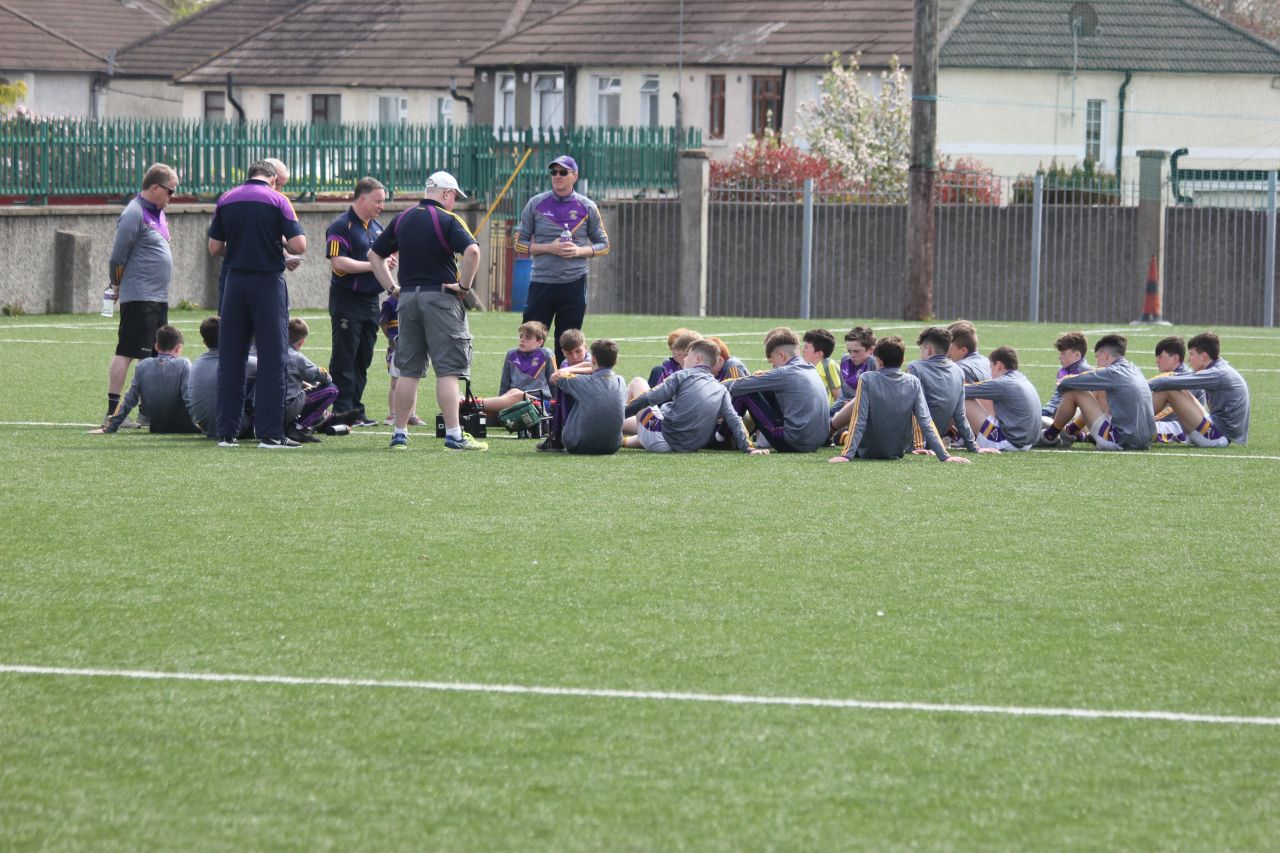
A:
(560, 230)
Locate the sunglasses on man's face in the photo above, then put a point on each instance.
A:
(170, 190)
(559, 173)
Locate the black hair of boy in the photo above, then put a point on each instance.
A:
(1074, 341)
(936, 337)
(209, 332)
(1207, 343)
(604, 354)
(862, 335)
(1172, 345)
(1114, 344)
(890, 351)
(168, 338)
(821, 340)
(1007, 356)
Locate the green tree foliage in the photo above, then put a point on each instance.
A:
(10, 94)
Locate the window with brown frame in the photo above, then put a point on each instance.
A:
(715, 121)
(766, 104)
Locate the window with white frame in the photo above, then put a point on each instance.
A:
(1094, 115)
(393, 109)
(608, 101)
(506, 100)
(650, 90)
(444, 112)
(548, 100)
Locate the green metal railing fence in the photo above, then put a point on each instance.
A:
(42, 159)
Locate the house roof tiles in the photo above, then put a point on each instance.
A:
(72, 35)
(197, 38)
(1130, 35)
(374, 43)
(630, 33)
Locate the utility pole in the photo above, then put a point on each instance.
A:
(924, 131)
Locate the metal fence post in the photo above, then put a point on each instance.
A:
(1037, 232)
(806, 251)
(1269, 287)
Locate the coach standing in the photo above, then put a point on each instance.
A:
(353, 296)
(249, 223)
(560, 230)
(433, 328)
(140, 268)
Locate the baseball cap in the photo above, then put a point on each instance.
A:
(566, 161)
(444, 181)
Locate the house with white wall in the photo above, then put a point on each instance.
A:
(1030, 83)
(65, 50)
(732, 69)
(354, 61)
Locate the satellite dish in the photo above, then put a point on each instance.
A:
(1084, 19)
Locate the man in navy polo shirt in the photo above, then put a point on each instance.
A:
(560, 230)
(432, 313)
(249, 224)
(353, 296)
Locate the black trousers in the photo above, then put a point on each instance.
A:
(565, 303)
(354, 318)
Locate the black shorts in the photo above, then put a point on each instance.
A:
(138, 324)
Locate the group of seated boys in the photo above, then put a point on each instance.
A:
(702, 397)
(175, 395)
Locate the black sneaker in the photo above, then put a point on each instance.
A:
(365, 422)
(302, 436)
(550, 445)
(228, 441)
(278, 444)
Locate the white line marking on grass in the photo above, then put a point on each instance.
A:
(644, 695)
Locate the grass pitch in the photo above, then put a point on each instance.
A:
(1070, 580)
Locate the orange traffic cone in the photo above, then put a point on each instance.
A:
(1151, 296)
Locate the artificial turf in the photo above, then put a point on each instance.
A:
(1076, 579)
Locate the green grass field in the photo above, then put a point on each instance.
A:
(1048, 580)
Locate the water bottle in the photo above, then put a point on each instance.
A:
(108, 302)
(566, 236)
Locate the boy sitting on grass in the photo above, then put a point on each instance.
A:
(1072, 348)
(1171, 358)
(858, 343)
(788, 403)
(1227, 418)
(818, 346)
(574, 346)
(889, 410)
(679, 416)
(728, 366)
(943, 385)
(679, 350)
(964, 352)
(1125, 421)
(1013, 421)
(590, 398)
(526, 371)
(309, 391)
(158, 384)
(660, 373)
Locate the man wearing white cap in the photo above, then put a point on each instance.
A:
(433, 328)
(560, 230)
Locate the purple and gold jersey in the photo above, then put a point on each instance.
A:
(545, 218)
(851, 373)
(528, 371)
(349, 236)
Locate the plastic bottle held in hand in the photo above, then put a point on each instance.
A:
(108, 302)
(566, 236)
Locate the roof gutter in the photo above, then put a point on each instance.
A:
(1124, 88)
(453, 93)
(1174, 177)
(231, 99)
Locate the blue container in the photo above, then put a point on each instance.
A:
(521, 275)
